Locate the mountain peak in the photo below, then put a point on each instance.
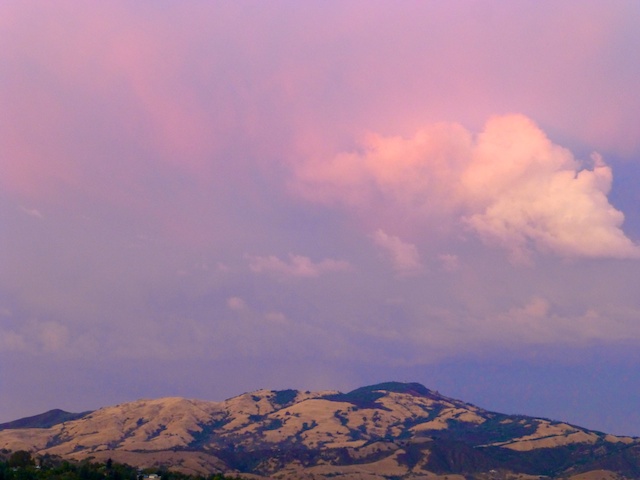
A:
(367, 397)
(411, 388)
(403, 430)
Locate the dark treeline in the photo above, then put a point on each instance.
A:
(21, 465)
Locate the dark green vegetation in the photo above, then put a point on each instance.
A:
(284, 397)
(449, 456)
(21, 465)
(366, 397)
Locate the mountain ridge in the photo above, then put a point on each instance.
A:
(389, 430)
(43, 420)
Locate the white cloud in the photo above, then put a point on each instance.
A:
(528, 193)
(405, 257)
(510, 185)
(297, 266)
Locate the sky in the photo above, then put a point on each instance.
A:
(202, 199)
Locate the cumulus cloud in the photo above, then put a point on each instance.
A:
(534, 194)
(509, 184)
(415, 173)
(405, 257)
(297, 266)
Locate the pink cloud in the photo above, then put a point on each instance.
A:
(523, 190)
(236, 304)
(449, 262)
(538, 322)
(297, 266)
(509, 184)
(404, 256)
(99, 100)
(411, 170)
(176, 88)
(183, 79)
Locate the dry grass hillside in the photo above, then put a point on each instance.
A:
(392, 430)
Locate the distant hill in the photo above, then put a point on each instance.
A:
(386, 431)
(43, 420)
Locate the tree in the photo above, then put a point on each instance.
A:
(21, 459)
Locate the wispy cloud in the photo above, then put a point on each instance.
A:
(33, 212)
(237, 304)
(12, 341)
(449, 262)
(404, 256)
(276, 317)
(297, 266)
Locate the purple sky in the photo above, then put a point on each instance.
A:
(206, 198)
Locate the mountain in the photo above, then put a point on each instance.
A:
(43, 420)
(386, 431)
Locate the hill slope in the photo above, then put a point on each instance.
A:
(391, 430)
